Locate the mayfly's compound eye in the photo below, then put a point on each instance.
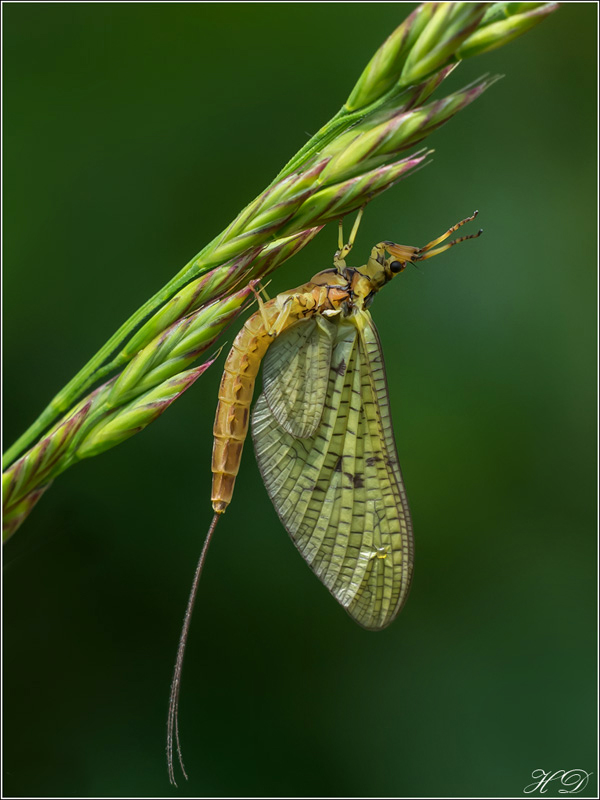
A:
(397, 266)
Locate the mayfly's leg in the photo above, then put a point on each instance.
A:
(353, 232)
(261, 305)
(272, 328)
(263, 290)
(403, 253)
(427, 251)
(282, 318)
(339, 260)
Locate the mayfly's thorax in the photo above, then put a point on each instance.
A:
(332, 291)
(350, 289)
(329, 277)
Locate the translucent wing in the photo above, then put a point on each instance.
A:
(295, 373)
(339, 493)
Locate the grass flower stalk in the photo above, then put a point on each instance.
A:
(358, 154)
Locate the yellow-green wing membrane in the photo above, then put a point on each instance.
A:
(339, 493)
(295, 372)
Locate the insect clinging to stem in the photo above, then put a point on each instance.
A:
(323, 437)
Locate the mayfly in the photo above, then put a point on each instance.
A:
(323, 437)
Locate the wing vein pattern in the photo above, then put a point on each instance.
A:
(332, 472)
(295, 375)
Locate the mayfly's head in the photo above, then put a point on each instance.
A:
(389, 259)
(367, 280)
(380, 269)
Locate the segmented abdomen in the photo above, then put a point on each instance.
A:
(241, 369)
(233, 409)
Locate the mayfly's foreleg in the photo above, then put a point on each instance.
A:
(428, 252)
(402, 254)
(339, 259)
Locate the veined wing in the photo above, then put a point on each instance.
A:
(339, 493)
(295, 372)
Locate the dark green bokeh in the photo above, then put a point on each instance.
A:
(133, 134)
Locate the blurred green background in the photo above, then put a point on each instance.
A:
(133, 135)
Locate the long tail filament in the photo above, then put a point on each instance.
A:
(172, 722)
